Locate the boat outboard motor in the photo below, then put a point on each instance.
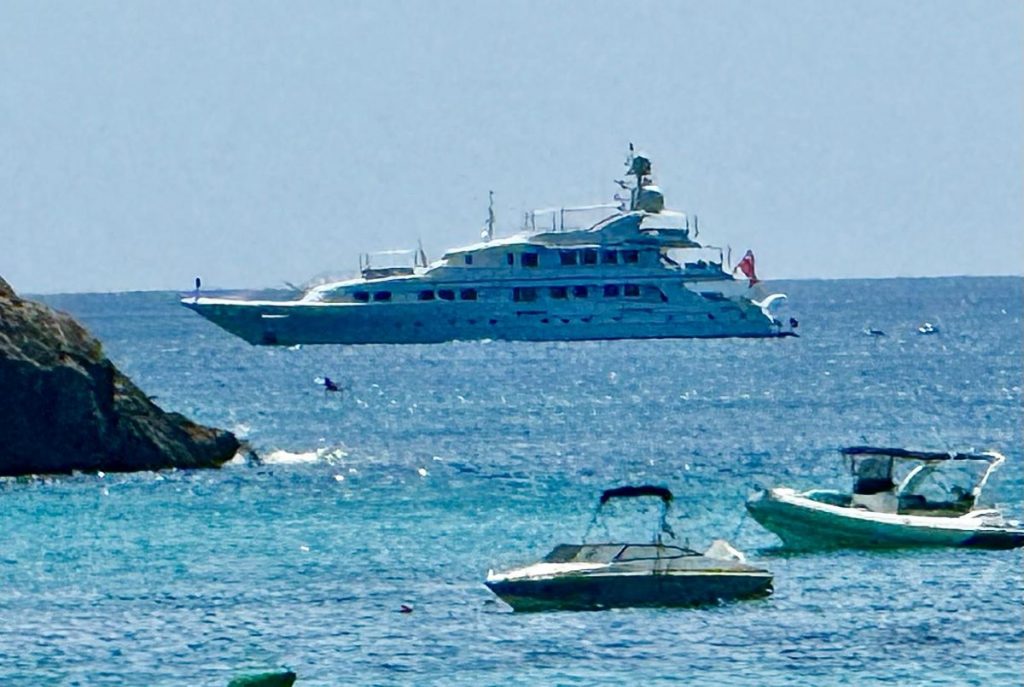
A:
(724, 551)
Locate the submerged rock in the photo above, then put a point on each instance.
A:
(64, 406)
(284, 678)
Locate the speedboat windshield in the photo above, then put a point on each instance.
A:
(953, 483)
(922, 480)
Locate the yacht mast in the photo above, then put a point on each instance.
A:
(490, 215)
(489, 230)
(639, 167)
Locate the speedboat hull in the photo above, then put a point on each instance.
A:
(595, 592)
(596, 576)
(804, 523)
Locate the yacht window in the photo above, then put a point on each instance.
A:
(427, 295)
(630, 256)
(469, 259)
(589, 256)
(611, 290)
(361, 296)
(446, 294)
(468, 294)
(524, 294)
(631, 291)
(382, 296)
(559, 292)
(529, 260)
(510, 258)
(609, 257)
(580, 292)
(568, 257)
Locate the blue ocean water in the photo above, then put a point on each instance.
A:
(442, 461)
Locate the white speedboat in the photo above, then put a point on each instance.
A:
(610, 575)
(638, 271)
(899, 498)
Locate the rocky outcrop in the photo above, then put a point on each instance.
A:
(64, 406)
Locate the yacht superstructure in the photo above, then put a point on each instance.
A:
(636, 273)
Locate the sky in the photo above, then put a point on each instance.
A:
(252, 143)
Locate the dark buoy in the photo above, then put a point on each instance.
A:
(284, 678)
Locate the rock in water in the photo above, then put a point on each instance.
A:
(64, 406)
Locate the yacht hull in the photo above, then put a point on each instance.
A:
(804, 524)
(595, 592)
(291, 323)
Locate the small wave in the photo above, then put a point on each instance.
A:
(280, 457)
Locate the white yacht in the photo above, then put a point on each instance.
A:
(637, 272)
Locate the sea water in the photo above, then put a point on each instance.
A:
(438, 462)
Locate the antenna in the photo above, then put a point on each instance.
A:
(421, 256)
(489, 231)
(640, 169)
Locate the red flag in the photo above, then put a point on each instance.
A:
(746, 266)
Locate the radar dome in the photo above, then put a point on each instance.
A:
(640, 166)
(650, 199)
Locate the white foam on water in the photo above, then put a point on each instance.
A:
(280, 457)
(238, 459)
